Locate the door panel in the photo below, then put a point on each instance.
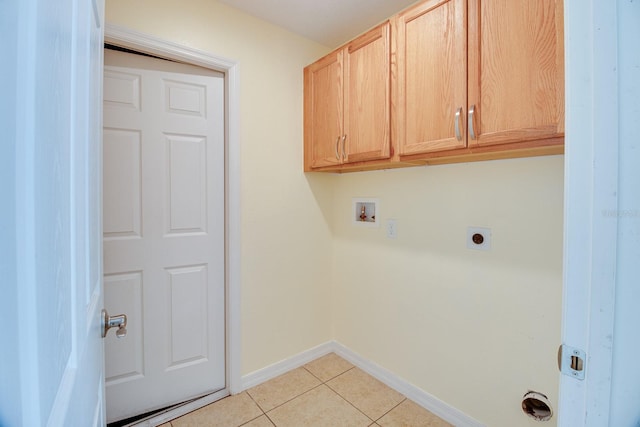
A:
(185, 98)
(122, 90)
(367, 96)
(432, 74)
(164, 232)
(516, 70)
(187, 316)
(323, 110)
(124, 358)
(187, 190)
(122, 193)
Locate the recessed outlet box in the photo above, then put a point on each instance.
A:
(365, 212)
(479, 238)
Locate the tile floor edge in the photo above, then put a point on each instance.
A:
(429, 402)
(419, 396)
(265, 374)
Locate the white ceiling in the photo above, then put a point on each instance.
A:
(328, 22)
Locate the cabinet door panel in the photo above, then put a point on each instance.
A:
(516, 70)
(431, 77)
(367, 92)
(323, 111)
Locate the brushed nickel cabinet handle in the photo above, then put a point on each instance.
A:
(337, 146)
(457, 124)
(472, 132)
(344, 154)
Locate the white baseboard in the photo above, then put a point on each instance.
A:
(279, 368)
(419, 396)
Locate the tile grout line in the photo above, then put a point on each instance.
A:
(315, 376)
(270, 420)
(304, 392)
(326, 383)
(333, 377)
(287, 401)
(266, 413)
(358, 409)
(254, 401)
(346, 400)
(294, 397)
(259, 407)
(401, 402)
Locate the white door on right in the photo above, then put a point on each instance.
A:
(164, 222)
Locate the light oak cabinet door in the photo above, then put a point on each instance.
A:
(347, 103)
(323, 98)
(516, 71)
(475, 74)
(431, 78)
(367, 97)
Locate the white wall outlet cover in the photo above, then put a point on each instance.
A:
(479, 238)
(392, 229)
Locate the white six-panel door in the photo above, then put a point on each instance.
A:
(163, 231)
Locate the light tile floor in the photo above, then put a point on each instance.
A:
(327, 392)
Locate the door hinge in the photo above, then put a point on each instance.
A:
(571, 361)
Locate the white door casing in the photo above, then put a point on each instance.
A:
(57, 356)
(164, 225)
(591, 190)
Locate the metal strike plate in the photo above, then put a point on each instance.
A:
(571, 361)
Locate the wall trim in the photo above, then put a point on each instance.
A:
(145, 43)
(265, 374)
(419, 396)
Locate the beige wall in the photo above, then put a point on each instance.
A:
(475, 329)
(286, 241)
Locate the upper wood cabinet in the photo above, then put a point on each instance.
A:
(477, 73)
(516, 70)
(430, 95)
(347, 103)
(443, 81)
(323, 103)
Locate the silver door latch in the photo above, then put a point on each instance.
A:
(119, 321)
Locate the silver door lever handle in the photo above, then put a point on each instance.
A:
(119, 321)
